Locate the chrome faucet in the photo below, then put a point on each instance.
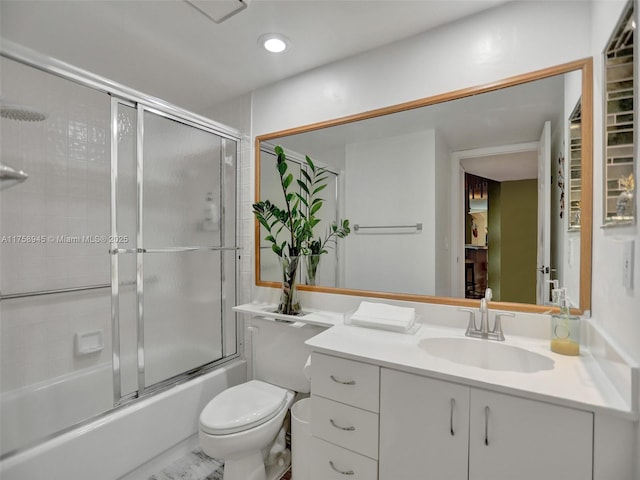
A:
(484, 331)
(484, 311)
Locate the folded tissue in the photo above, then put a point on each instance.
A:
(385, 317)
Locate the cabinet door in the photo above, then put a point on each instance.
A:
(424, 428)
(528, 440)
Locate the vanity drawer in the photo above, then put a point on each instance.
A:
(334, 463)
(344, 425)
(346, 381)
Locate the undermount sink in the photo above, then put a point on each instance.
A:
(486, 354)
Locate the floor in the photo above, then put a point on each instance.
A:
(186, 461)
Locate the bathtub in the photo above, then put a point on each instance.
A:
(38, 411)
(116, 443)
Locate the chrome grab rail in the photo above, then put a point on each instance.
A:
(417, 226)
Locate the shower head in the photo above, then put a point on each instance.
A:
(10, 176)
(21, 113)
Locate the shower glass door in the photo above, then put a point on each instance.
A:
(176, 195)
(181, 241)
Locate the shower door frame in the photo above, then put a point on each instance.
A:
(129, 96)
(143, 388)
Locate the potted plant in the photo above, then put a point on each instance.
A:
(318, 247)
(296, 220)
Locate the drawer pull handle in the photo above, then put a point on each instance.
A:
(453, 405)
(350, 382)
(348, 472)
(349, 429)
(486, 426)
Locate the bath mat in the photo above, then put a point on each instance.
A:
(194, 465)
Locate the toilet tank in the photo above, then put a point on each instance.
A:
(279, 352)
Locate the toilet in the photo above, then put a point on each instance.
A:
(241, 423)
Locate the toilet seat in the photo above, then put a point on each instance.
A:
(242, 407)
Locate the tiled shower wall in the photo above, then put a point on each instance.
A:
(42, 224)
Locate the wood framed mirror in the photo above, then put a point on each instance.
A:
(401, 170)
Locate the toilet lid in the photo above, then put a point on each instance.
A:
(242, 407)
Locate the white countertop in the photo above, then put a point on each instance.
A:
(576, 382)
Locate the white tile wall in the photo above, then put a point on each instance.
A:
(67, 157)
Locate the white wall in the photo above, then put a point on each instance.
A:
(383, 188)
(443, 216)
(512, 39)
(615, 308)
(67, 158)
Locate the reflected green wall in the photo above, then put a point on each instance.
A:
(513, 226)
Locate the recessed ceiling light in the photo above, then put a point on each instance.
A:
(274, 42)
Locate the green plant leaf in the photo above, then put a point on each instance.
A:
(282, 166)
(310, 163)
(306, 175)
(287, 181)
(319, 189)
(303, 186)
(302, 199)
(315, 207)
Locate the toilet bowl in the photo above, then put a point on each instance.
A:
(239, 423)
(242, 422)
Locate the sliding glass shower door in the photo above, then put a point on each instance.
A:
(117, 248)
(176, 274)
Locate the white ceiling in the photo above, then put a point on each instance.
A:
(171, 50)
(504, 167)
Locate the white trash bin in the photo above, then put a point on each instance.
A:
(300, 439)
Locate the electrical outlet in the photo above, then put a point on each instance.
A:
(627, 264)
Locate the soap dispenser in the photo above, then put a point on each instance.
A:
(565, 328)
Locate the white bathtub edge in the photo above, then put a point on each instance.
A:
(114, 445)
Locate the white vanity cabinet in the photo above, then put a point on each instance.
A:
(513, 437)
(431, 429)
(344, 418)
(424, 428)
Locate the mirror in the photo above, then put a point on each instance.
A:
(619, 151)
(574, 179)
(416, 226)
